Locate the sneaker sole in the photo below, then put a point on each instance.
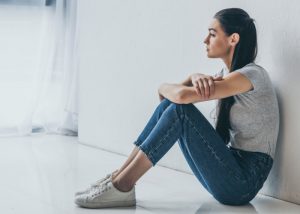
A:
(108, 204)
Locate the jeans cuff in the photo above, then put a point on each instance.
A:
(151, 159)
(137, 143)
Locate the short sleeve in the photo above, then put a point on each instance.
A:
(256, 76)
(219, 73)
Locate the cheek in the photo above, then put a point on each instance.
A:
(219, 46)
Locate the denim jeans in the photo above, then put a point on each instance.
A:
(232, 176)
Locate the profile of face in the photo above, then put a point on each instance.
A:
(218, 43)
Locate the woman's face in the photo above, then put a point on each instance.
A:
(217, 42)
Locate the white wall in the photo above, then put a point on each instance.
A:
(129, 47)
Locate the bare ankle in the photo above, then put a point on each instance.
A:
(122, 186)
(115, 174)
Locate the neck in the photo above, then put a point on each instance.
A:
(227, 63)
(228, 59)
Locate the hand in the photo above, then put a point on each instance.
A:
(204, 84)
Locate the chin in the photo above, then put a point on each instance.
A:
(211, 56)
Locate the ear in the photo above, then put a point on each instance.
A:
(234, 39)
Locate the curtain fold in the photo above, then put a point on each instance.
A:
(41, 95)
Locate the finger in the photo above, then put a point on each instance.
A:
(211, 86)
(206, 88)
(201, 87)
(198, 90)
(196, 87)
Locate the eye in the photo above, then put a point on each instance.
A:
(212, 35)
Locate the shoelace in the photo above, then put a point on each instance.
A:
(102, 179)
(100, 189)
(106, 177)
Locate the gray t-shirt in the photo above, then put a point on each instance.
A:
(254, 117)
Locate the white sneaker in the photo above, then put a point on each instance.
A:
(95, 184)
(105, 196)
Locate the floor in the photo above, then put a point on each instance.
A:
(40, 173)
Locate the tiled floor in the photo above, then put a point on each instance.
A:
(39, 174)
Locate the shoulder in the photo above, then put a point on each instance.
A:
(256, 74)
(252, 69)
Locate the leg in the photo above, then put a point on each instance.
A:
(211, 160)
(209, 156)
(150, 125)
(191, 163)
(127, 162)
(125, 180)
(156, 127)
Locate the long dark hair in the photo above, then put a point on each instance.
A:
(235, 20)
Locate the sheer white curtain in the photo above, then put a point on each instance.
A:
(39, 78)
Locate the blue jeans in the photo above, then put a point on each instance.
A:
(232, 176)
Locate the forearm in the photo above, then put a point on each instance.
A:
(182, 94)
(172, 92)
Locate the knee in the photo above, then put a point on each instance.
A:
(164, 103)
(184, 109)
(183, 106)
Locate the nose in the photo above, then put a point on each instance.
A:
(206, 40)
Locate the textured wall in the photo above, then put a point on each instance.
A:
(129, 47)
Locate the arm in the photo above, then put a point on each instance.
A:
(202, 84)
(189, 80)
(232, 84)
(172, 92)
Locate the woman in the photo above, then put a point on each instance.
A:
(232, 161)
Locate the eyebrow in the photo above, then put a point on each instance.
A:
(209, 29)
